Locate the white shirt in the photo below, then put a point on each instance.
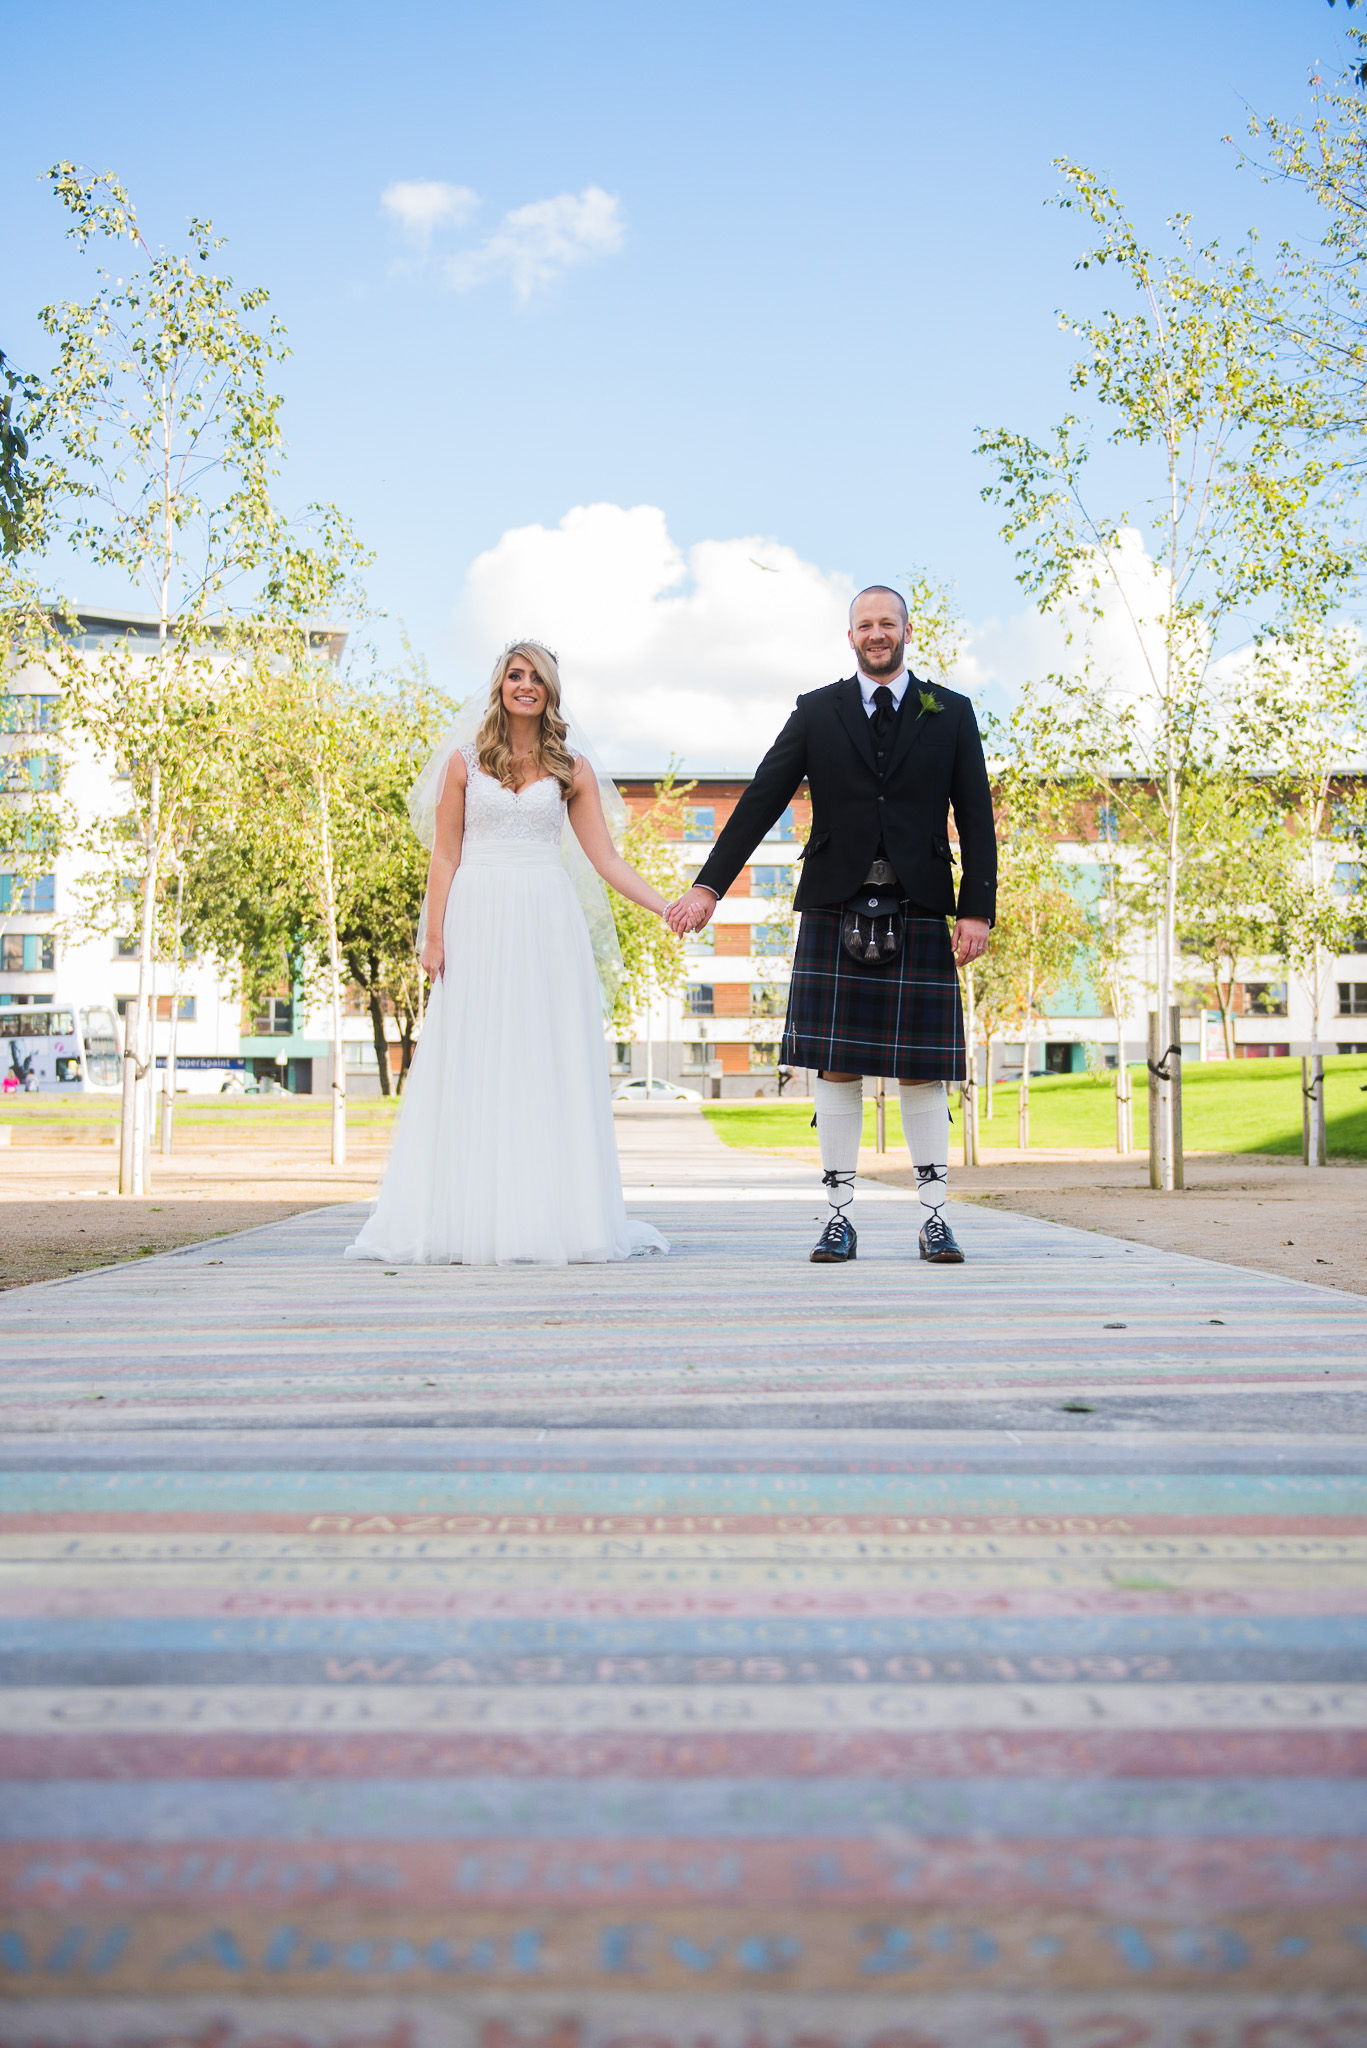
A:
(868, 684)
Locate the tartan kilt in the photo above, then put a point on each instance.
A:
(902, 1020)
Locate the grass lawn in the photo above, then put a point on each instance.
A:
(1244, 1106)
(232, 1115)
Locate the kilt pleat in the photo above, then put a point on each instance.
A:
(902, 1020)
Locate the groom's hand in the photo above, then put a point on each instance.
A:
(970, 939)
(691, 912)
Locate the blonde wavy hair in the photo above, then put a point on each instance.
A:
(494, 742)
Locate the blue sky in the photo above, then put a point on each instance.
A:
(829, 259)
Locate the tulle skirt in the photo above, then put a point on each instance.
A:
(505, 1153)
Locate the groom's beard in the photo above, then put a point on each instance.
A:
(882, 664)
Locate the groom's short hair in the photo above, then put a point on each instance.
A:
(881, 590)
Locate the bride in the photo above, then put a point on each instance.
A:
(505, 1152)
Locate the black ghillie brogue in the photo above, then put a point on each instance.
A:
(836, 1244)
(937, 1242)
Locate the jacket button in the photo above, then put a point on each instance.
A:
(882, 799)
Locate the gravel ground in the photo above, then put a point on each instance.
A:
(59, 1213)
(1268, 1214)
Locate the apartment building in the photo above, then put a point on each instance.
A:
(51, 951)
(721, 1035)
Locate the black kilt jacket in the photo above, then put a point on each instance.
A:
(934, 764)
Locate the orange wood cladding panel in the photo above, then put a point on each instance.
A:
(731, 999)
(732, 939)
(735, 1059)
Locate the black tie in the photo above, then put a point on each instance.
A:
(884, 711)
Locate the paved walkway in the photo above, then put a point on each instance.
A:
(711, 1652)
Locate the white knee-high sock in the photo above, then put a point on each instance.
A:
(839, 1127)
(925, 1125)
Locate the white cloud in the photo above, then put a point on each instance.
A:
(662, 652)
(535, 244)
(422, 205)
(701, 653)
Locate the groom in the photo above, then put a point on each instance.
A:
(886, 757)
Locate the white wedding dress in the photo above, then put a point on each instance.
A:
(505, 1153)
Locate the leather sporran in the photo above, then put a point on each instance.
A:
(872, 926)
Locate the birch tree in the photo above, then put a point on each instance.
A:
(1300, 728)
(1232, 883)
(20, 497)
(1038, 939)
(157, 439)
(1239, 520)
(652, 958)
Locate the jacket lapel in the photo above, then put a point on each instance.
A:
(849, 705)
(911, 723)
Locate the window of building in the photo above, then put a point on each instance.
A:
(766, 1000)
(275, 1019)
(763, 1053)
(1265, 998)
(1347, 877)
(20, 712)
(767, 939)
(704, 941)
(185, 1014)
(27, 953)
(699, 999)
(22, 773)
(1353, 999)
(696, 1054)
(37, 897)
(125, 948)
(1106, 827)
(769, 881)
(701, 822)
(621, 1056)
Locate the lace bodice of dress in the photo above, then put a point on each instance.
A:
(536, 813)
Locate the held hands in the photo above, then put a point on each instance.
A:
(970, 940)
(691, 912)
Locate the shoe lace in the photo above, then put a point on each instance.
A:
(838, 1180)
(934, 1229)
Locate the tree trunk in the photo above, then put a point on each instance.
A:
(1124, 1093)
(1023, 1094)
(377, 1032)
(968, 1093)
(334, 977)
(987, 1076)
(407, 1026)
(168, 1097)
(1167, 948)
(1316, 1149)
(1224, 996)
(1023, 1098)
(137, 1035)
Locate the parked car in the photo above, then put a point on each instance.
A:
(653, 1091)
(240, 1084)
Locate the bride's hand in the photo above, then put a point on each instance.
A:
(432, 959)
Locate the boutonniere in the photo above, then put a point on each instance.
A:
(930, 702)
